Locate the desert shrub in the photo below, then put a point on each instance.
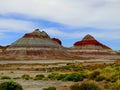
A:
(67, 67)
(18, 68)
(94, 74)
(115, 77)
(108, 71)
(11, 72)
(5, 77)
(61, 76)
(52, 76)
(26, 76)
(37, 69)
(115, 86)
(45, 79)
(16, 77)
(100, 78)
(39, 77)
(107, 79)
(49, 88)
(85, 86)
(106, 86)
(67, 77)
(75, 87)
(10, 85)
(75, 77)
(113, 80)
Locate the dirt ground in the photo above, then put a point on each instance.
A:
(12, 69)
(33, 84)
(39, 84)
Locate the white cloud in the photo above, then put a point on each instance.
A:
(84, 13)
(79, 35)
(15, 25)
(106, 35)
(54, 32)
(102, 15)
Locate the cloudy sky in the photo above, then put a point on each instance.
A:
(68, 20)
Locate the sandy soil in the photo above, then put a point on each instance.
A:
(54, 61)
(39, 84)
(32, 84)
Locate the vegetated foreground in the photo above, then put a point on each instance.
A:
(71, 76)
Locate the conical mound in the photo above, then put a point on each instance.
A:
(90, 43)
(88, 37)
(38, 44)
(35, 39)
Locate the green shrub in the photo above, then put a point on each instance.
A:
(94, 74)
(115, 86)
(52, 76)
(115, 77)
(49, 88)
(26, 76)
(89, 86)
(100, 78)
(85, 86)
(106, 86)
(10, 85)
(61, 76)
(67, 77)
(39, 77)
(75, 77)
(5, 77)
(45, 79)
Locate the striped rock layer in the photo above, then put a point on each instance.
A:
(90, 43)
(35, 39)
(37, 43)
(90, 48)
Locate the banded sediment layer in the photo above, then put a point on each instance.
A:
(39, 45)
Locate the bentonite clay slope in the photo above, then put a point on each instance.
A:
(90, 43)
(89, 48)
(35, 39)
(37, 45)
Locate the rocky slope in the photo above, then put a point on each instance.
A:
(90, 43)
(37, 45)
(90, 48)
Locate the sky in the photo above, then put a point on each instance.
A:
(68, 20)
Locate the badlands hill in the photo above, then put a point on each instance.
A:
(39, 45)
(90, 48)
(36, 45)
(90, 43)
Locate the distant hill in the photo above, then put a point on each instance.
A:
(39, 45)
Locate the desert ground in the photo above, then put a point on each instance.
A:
(16, 68)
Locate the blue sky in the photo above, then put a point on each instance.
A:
(68, 20)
